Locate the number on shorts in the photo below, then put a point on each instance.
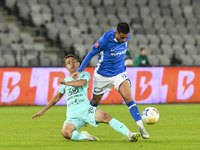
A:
(91, 110)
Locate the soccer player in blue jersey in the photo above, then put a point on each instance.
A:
(79, 110)
(111, 70)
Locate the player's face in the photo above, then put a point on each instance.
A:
(72, 64)
(121, 37)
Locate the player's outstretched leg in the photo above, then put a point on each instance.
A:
(125, 91)
(136, 115)
(120, 127)
(69, 132)
(102, 117)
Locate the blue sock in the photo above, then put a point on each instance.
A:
(91, 103)
(118, 126)
(134, 111)
(76, 136)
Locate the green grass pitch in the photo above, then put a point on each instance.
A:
(177, 129)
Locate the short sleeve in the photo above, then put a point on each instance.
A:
(85, 75)
(100, 44)
(62, 89)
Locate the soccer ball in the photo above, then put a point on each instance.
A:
(150, 115)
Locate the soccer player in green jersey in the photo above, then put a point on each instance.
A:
(79, 110)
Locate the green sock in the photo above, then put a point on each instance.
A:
(76, 136)
(118, 126)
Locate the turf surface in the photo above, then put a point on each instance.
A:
(178, 128)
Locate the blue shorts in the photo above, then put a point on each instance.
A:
(82, 117)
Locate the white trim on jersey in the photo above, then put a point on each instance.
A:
(100, 60)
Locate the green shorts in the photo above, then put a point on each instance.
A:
(82, 117)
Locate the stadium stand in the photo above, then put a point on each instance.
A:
(41, 32)
(163, 60)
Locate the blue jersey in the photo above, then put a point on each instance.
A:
(111, 60)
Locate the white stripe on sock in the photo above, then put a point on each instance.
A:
(132, 106)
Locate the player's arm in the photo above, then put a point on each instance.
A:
(52, 102)
(97, 47)
(76, 83)
(87, 59)
(85, 62)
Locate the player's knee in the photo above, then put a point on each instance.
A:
(67, 134)
(106, 118)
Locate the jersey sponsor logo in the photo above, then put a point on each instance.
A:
(72, 91)
(76, 102)
(96, 45)
(118, 53)
(78, 95)
(69, 98)
(121, 46)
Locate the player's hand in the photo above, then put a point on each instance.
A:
(75, 75)
(61, 81)
(38, 114)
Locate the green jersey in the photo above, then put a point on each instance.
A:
(76, 96)
(141, 61)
